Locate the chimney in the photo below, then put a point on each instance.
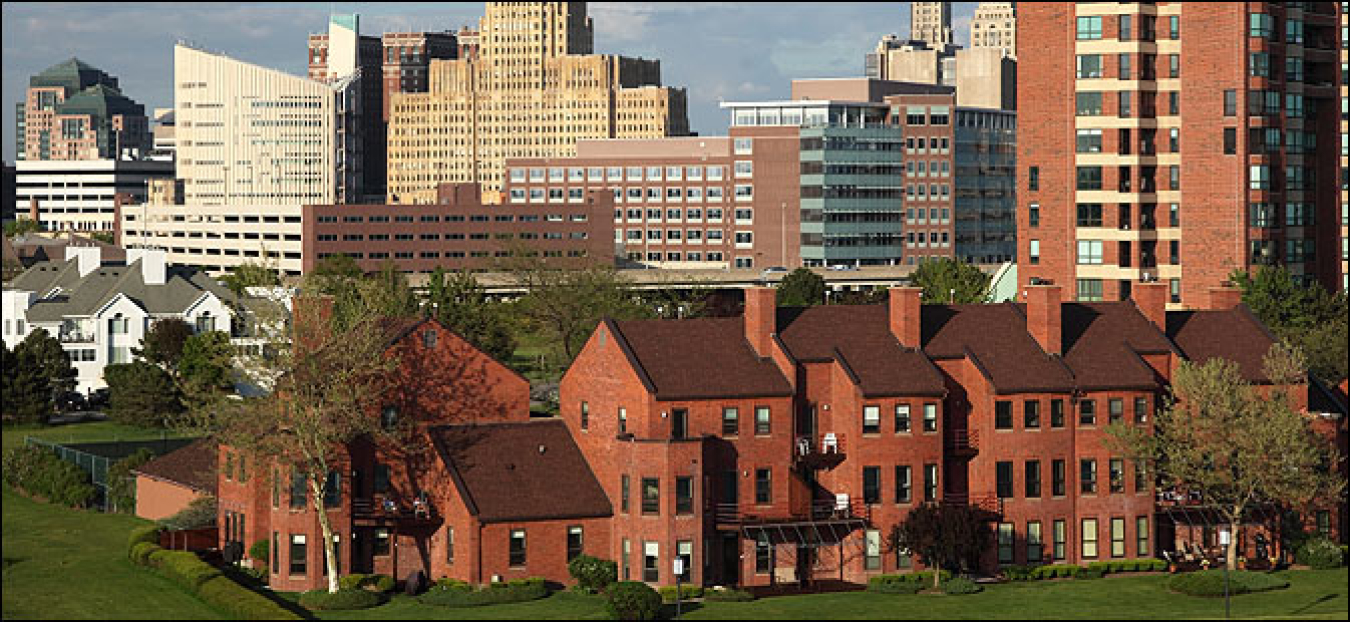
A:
(90, 258)
(906, 309)
(761, 318)
(1151, 298)
(153, 268)
(1224, 297)
(33, 212)
(1043, 316)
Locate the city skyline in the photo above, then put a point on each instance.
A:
(37, 36)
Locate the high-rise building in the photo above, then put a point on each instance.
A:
(531, 89)
(995, 26)
(339, 55)
(249, 135)
(407, 60)
(83, 195)
(73, 111)
(931, 22)
(1133, 194)
(983, 77)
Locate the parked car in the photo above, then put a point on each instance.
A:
(772, 270)
(71, 401)
(843, 267)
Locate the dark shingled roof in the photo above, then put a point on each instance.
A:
(699, 359)
(997, 336)
(503, 475)
(1102, 342)
(193, 466)
(1234, 334)
(861, 336)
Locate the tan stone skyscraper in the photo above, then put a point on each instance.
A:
(532, 91)
(995, 26)
(931, 22)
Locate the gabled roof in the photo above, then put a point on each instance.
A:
(997, 335)
(520, 471)
(1103, 342)
(85, 296)
(193, 466)
(704, 358)
(859, 338)
(1234, 334)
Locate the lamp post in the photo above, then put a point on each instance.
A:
(1223, 540)
(679, 570)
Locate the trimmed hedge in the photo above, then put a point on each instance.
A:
(1090, 573)
(1321, 553)
(260, 551)
(371, 582)
(1056, 571)
(453, 593)
(354, 598)
(632, 600)
(1210, 583)
(686, 592)
(893, 587)
(727, 595)
(202, 579)
(960, 585)
(893, 583)
(1093, 570)
(40, 473)
(592, 573)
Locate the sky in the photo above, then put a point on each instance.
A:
(719, 51)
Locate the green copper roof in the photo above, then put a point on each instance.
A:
(100, 100)
(73, 75)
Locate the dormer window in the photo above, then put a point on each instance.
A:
(429, 338)
(389, 417)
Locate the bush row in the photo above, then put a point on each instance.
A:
(1210, 583)
(908, 583)
(343, 599)
(728, 595)
(39, 472)
(686, 592)
(1321, 553)
(380, 583)
(202, 579)
(959, 585)
(1091, 571)
(453, 593)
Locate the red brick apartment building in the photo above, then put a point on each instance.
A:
(1176, 141)
(767, 449)
(784, 445)
(459, 231)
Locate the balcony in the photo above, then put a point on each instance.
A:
(76, 337)
(387, 511)
(963, 442)
(842, 508)
(825, 452)
(990, 502)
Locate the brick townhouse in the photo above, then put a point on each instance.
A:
(783, 446)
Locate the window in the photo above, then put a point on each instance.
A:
(1089, 537)
(684, 549)
(1173, 65)
(1089, 66)
(585, 415)
(1089, 252)
(1123, 99)
(450, 545)
(1117, 467)
(1229, 141)
(1031, 414)
(871, 423)
(1117, 537)
(1005, 543)
(299, 556)
(1260, 64)
(651, 561)
(763, 554)
(1115, 409)
(1089, 103)
(1087, 412)
(684, 495)
(871, 484)
(872, 559)
(1032, 478)
(1034, 178)
(1057, 413)
(1089, 141)
(1141, 537)
(516, 554)
(276, 553)
(1034, 215)
(627, 552)
(930, 417)
(297, 490)
(1140, 477)
(651, 495)
(1140, 410)
(743, 146)
(1089, 178)
(1057, 477)
(763, 486)
(429, 338)
(1089, 215)
(762, 421)
(1087, 475)
(1034, 252)
(1089, 28)
(1174, 177)
(1229, 103)
(574, 542)
(679, 423)
(1058, 537)
(389, 417)
(623, 493)
(1003, 415)
(380, 482)
(1123, 66)
(902, 418)
(332, 490)
(1090, 290)
(1034, 551)
(731, 423)
(623, 420)
(1004, 479)
(930, 482)
(381, 546)
(903, 484)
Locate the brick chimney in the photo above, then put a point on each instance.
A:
(761, 311)
(1224, 297)
(1043, 317)
(1151, 298)
(906, 310)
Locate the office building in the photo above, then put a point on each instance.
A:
(1135, 194)
(530, 89)
(995, 26)
(931, 22)
(73, 111)
(83, 195)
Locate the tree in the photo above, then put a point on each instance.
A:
(121, 493)
(801, 288)
(142, 394)
(385, 293)
(327, 383)
(105, 237)
(947, 280)
(21, 226)
(340, 265)
(943, 535)
(206, 364)
(40, 373)
(1236, 445)
(566, 305)
(249, 275)
(1308, 317)
(162, 345)
(457, 301)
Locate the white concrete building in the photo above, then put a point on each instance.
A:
(100, 312)
(80, 195)
(218, 237)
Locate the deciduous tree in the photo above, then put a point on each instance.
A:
(566, 305)
(142, 394)
(457, 301)
(943, 535)
(947, 281)
(801, 288)
(162, 345)
(1306, 316)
